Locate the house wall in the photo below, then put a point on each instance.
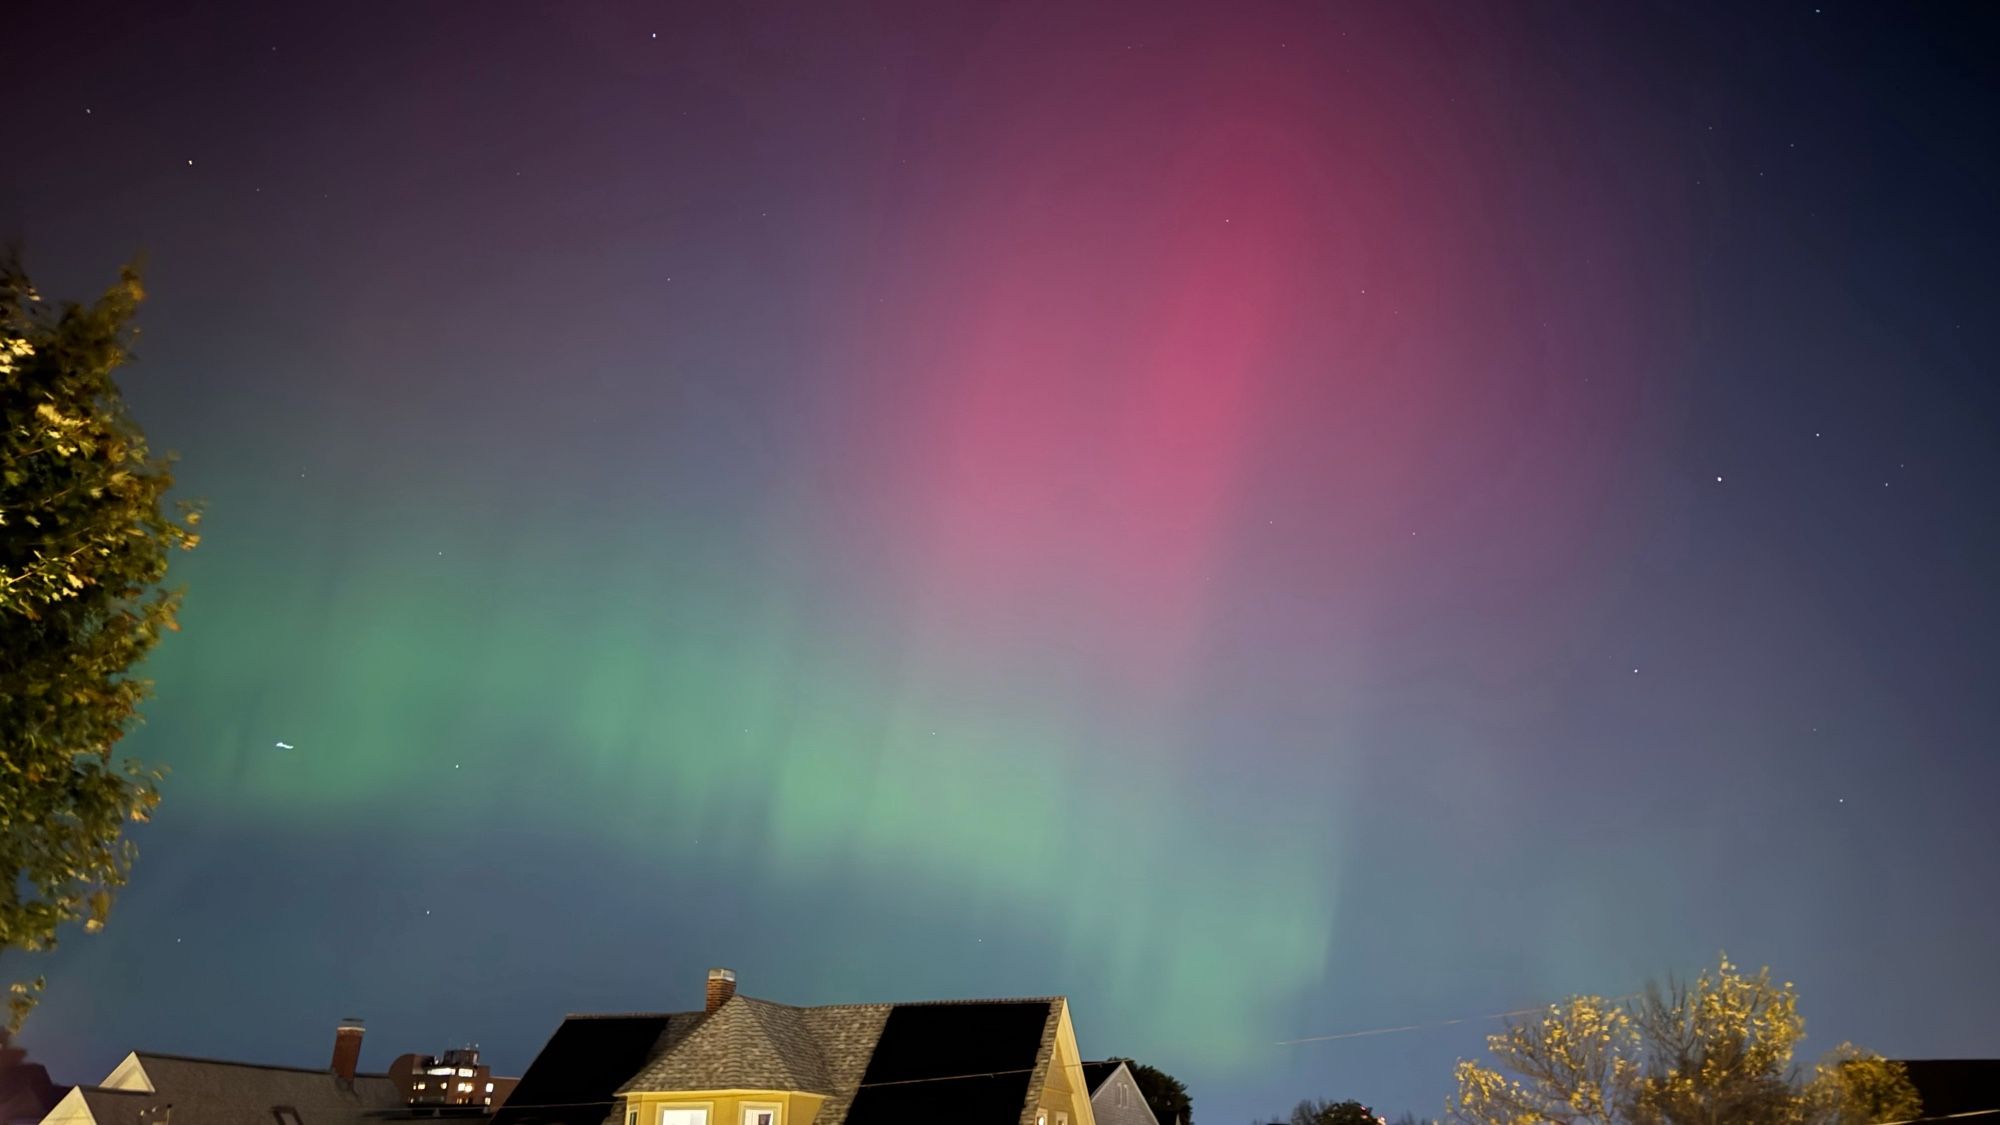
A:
(1063, 1091)
(1120, 1102)
(725, 1107)
(71, 1110)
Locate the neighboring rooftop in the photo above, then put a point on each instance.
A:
(223, 1092)
(1094, 1073)
(1965, 1090)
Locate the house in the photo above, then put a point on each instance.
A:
(1115, 1098)
(1965, 1091)
(149, 1088)
(155, 1089)
(744, 1061)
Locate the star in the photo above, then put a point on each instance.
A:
(1718, 480)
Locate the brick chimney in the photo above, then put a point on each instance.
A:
(721, 986)
(347, 1048)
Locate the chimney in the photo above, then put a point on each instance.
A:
(721, 986)
(347, 1048)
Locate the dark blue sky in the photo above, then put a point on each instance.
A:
(1272, 520)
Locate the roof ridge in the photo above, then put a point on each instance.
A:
(328, 1071)
(910, 1003)
(824, 1007)
(980, 1000)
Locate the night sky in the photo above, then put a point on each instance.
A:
(1272, 520)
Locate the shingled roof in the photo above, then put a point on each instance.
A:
(967, 1062)
(576, 1077)
(219, 1092)
(875, 1064)
(757, 1045)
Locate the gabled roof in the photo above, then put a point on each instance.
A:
(220, 1092)
(753, 1044)
(1094, 1073)
(575, 1078)
(967, 1062)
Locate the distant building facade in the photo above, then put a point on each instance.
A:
(456, 1077)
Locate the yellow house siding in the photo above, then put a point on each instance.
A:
(1060, 1088)
(725, 1107)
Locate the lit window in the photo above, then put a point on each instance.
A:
(464, 1073)
(683, 1117)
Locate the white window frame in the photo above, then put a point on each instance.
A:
(706, 1109)
(776, 1110)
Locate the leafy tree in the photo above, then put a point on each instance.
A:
(1716, 1050)
(1313, 1111)
(84, 544)
(1165, 1095)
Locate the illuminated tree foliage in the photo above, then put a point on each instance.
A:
(84, 544)
(1712, 1051)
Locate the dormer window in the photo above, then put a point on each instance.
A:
(683, 1117)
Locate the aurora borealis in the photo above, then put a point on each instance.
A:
(1270, 519)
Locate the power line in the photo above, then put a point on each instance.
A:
(1411, 1026)
(1443, 1023)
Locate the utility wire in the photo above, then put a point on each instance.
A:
(1425, 1026)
